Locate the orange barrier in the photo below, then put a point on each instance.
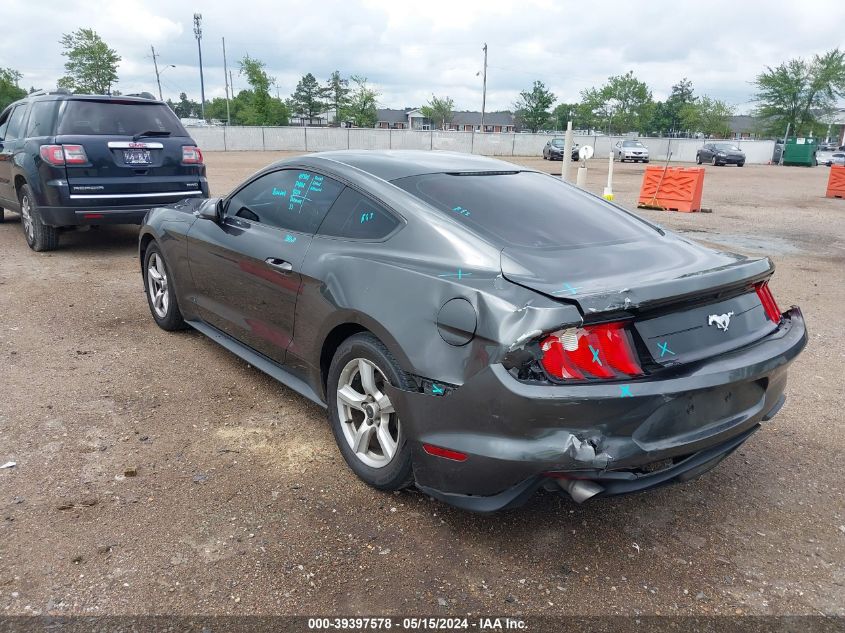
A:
(836, 182)
(672, 188)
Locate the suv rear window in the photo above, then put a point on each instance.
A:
(119, 118)
(525, 209)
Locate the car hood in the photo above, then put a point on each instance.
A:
(617, 276)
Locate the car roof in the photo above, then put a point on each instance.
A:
(61, 96)
(394, 164)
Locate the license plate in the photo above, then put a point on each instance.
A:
(137, 157)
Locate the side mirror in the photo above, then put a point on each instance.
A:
(213, 212)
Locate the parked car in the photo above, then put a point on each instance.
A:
(632, 150)
(69, 160)
(554, 150)
(461, 319)
(830, 158)
(720, 154)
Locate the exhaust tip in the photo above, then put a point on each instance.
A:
(580, 489)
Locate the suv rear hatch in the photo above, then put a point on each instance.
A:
(689, 302)
(133, 151)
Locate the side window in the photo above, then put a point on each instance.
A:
(41, 118)
(4, 123)
(15, 123)
(294, 200)
(355, 216)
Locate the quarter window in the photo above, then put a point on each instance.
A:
(15, 123)
(355, 216)
(41, 118)
(294, 200)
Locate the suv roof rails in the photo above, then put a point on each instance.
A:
(57, 91)
(142, 95)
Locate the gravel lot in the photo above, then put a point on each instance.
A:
(241, 504)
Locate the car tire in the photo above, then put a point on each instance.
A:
(698, 159)
(158, 286)
(384, 467)
(714, 162)
(2, 215)
(740, 164)
(646, 160)
(39, 237)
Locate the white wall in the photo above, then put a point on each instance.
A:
(317, 139)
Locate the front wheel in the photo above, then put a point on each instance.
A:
(39, 237)
(366, 427)
(714, 162)
(158, 287)
(698, 159)
(740, 164)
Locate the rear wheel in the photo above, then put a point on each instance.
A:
(159, 289)
(39, 237)
(365, 424)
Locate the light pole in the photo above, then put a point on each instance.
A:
(198, 35)
(226, 79)
(484, 87)
(159, 72)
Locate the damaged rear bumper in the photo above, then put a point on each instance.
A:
(621, 437)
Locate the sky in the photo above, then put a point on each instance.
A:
(410, 51)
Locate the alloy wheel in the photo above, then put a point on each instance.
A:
(157, 285)
(26, 219)
(369, 422)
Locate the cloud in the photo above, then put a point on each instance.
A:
(412, 51)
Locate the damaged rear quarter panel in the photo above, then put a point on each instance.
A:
(396, 289)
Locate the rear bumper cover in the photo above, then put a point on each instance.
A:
(514, 433)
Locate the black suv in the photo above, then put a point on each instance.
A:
(69, 160)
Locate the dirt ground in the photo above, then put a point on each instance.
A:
(241, 504)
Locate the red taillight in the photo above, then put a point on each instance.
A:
(53, 154)
(768, 301)
(63, 154)
(75, 154)
(594, 351)
(191, 155)
(439, 451)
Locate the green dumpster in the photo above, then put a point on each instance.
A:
(801, 151)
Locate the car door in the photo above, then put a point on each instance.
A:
(11, 127)
(246, 267)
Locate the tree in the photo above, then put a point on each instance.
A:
(308, 98)
(707, 116)
(256, 106)
(565, 112)
(798, 92)
(361, 109)
(439, 111)
(337, 94)
(532, 107)
(185, 108)
(9, 89)
(666, 116)
(623, 104)
(91, 65)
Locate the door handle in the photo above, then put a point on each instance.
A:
(279, 264)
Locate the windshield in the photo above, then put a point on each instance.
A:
(525, 209)
(558, 142)
(118, 118)
(727, 147)
(632, 144)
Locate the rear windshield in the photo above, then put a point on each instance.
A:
(525, 209)
(118, 118)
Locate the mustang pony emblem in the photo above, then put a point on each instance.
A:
(722, 321)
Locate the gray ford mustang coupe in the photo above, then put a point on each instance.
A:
(476, 328)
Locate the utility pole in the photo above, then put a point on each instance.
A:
(158, 79)
(226, 80)
(484, 87)
(198, 35)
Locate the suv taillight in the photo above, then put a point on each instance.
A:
(191, 155)
(603, 351)
(59, 155)
(768, 301)
(53, 154)
(75, 155)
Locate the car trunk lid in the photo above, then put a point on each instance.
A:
(688, 302)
